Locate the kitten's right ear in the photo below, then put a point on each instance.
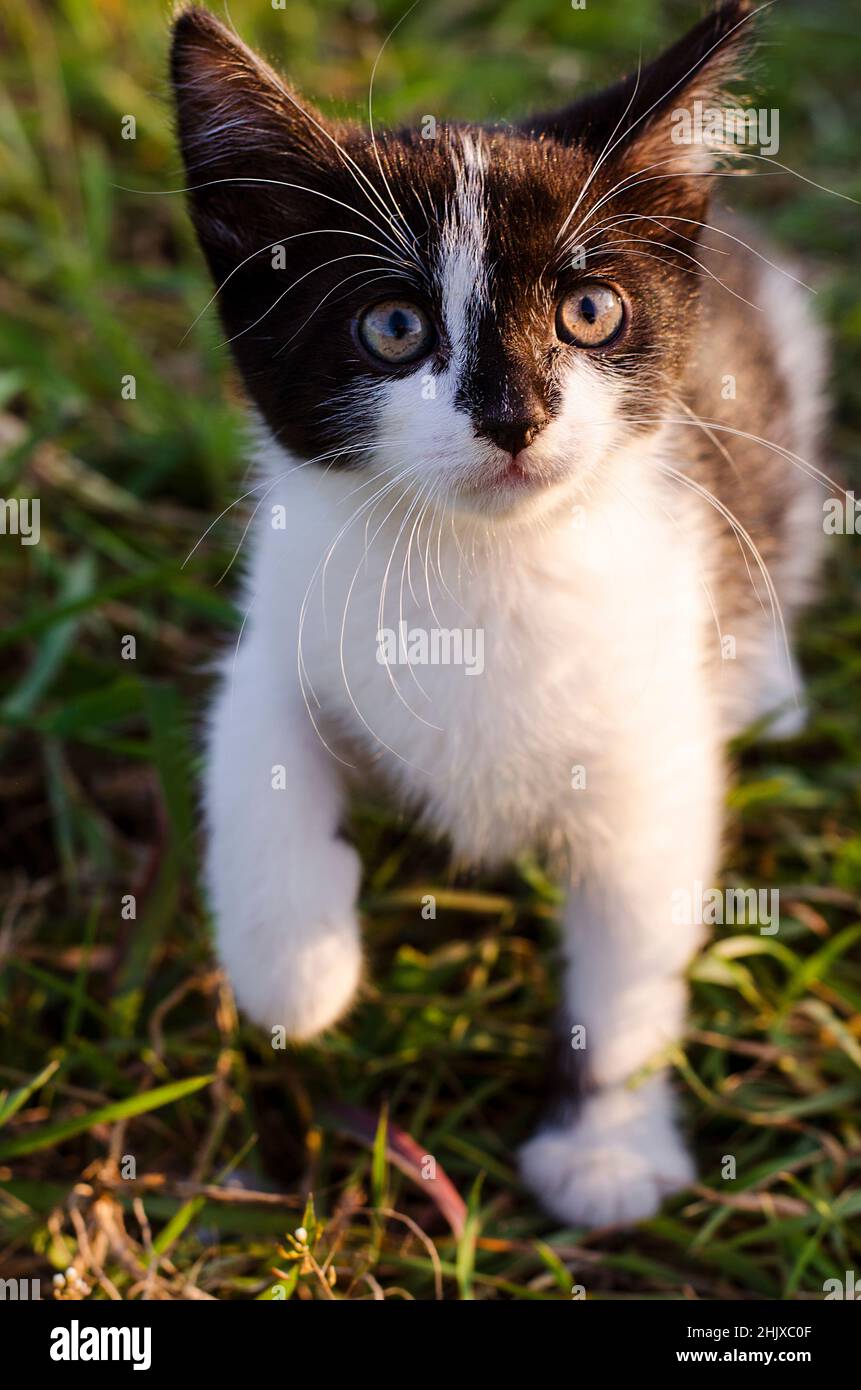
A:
(249, 145)
(634, 117)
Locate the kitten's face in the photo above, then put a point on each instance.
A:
(490, 362)
(488, 313)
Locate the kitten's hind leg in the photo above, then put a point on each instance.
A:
(282, 884)
(611, 1154)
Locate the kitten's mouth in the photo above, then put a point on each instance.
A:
(517, 472)
(514, 473)
(507, 479)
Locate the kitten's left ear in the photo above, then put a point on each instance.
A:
(643, 116)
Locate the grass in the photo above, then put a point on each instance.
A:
(148, 1136)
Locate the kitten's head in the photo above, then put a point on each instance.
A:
(491, 311)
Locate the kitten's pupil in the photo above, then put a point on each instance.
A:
(587, 309)
(398, 325)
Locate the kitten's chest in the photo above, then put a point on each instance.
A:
(488, 686)
(473, 711)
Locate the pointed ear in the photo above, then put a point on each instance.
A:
(245, 138)
(649, 117)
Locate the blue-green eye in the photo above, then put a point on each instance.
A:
(590, 317)
(396, 331)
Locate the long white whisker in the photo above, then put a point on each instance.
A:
(275, 183)
(605, 152)
(294, 468)
(707, 226)
(386, 183)
(280, 241)
(371, 502)
(371, 192)
(406, 571)
(379, 275)
(609, 224)
(350, 696)
(809, 469)
(611, 246)
(626, 186)
(722, 449)
(382, 604)
(349, 256)
(735, 524)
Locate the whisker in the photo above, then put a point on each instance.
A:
(358, 173)
(279, 241)
(740, 531)
(350, 696)
(707, 226)
(373, 501)
(349, 256)
(263, 483)
(609, 224)
(719, 445)
(374, 147)
(611, 246)
(607, 150)
(626, 186)
(659, 100)
(416, 503)
(275, 183)
(381, 275)
(809, 469)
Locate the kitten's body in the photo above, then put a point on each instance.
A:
(595, 729)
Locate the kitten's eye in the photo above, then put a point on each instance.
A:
(591, 316)
(396, 331)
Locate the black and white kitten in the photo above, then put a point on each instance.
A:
(513, 386)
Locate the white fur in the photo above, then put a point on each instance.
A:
(462, 270)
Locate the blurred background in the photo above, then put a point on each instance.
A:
(148, 1138)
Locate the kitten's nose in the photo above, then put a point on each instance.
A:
(514, 435)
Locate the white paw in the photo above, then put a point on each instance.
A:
(614, 1163)
(294, 956)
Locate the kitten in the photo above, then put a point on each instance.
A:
(491, 371)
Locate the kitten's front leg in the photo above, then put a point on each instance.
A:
(282, 884)
(612, 1152)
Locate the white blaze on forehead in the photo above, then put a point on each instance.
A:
(462, 267)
